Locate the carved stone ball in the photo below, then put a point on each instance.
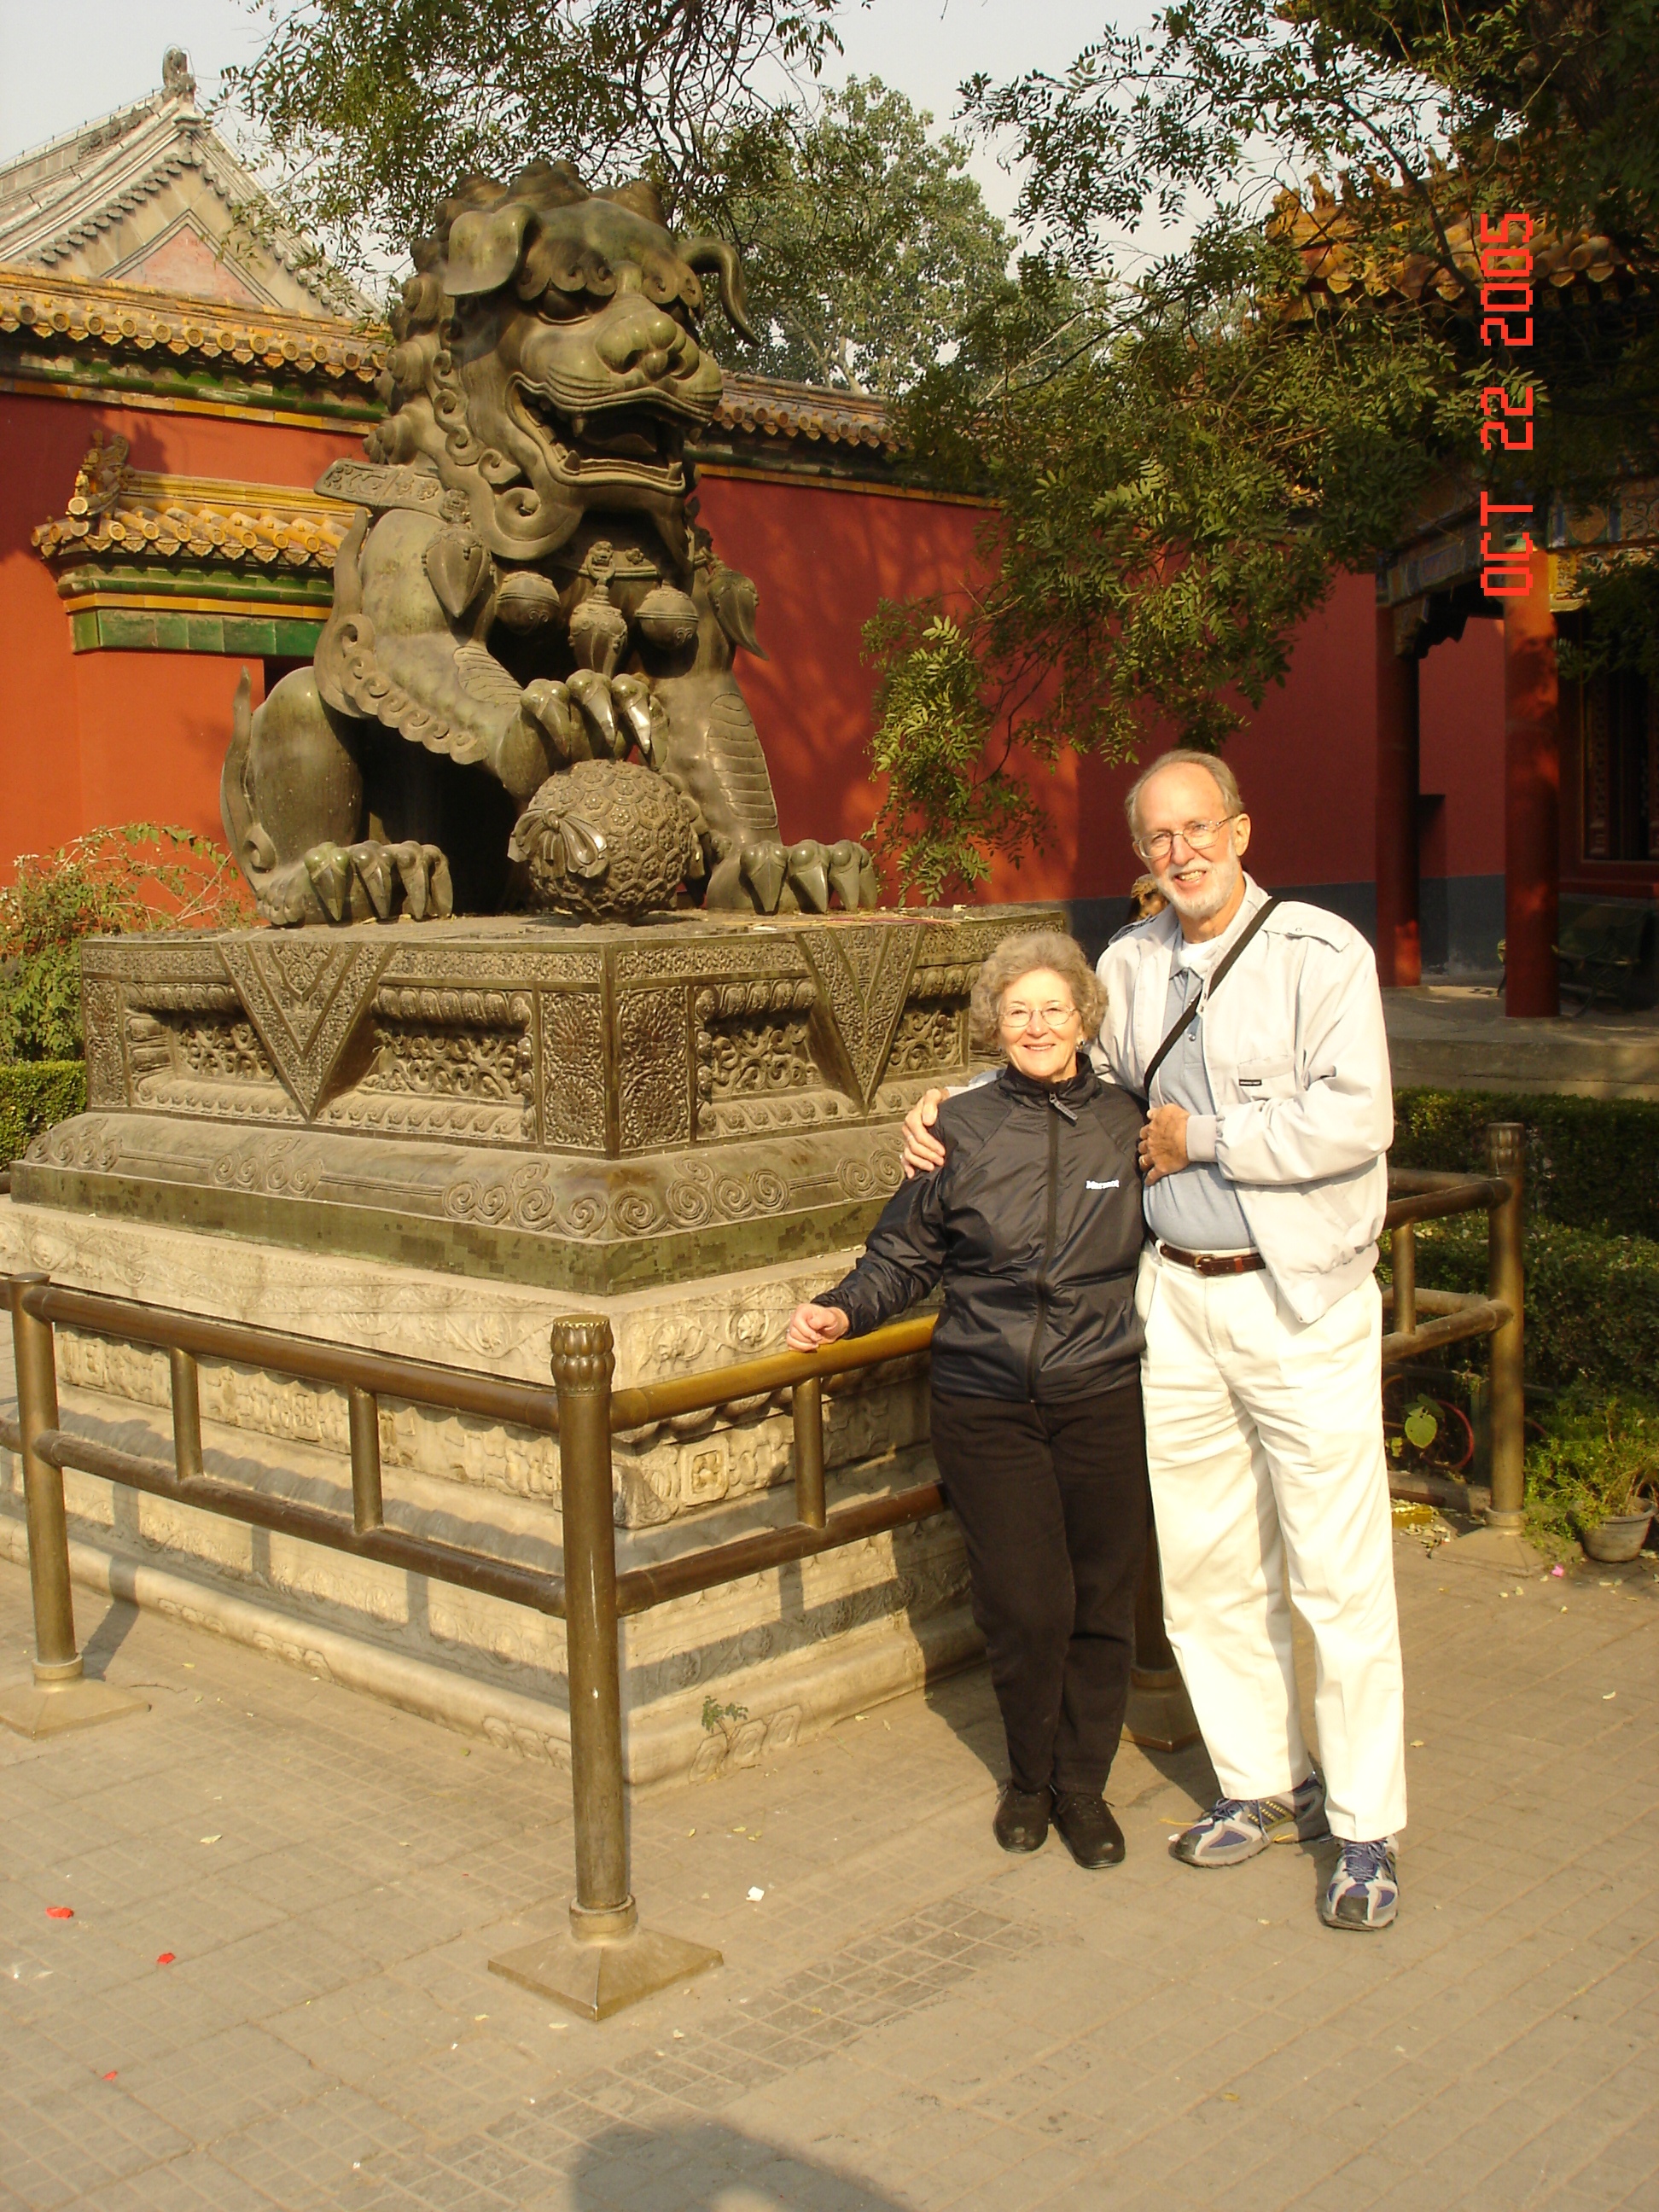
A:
(607, 840)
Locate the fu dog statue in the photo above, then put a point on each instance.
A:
(525, 589)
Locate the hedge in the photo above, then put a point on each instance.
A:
(1592, 1301)
(34, 1094)
(1591, 1162)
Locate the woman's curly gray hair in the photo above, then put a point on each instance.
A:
(1018, 955)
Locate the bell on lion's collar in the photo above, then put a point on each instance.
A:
(598, 632)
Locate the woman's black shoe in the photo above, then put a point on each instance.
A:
(1088, 1830)
(1021, 1819)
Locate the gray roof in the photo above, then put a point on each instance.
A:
(150, 194)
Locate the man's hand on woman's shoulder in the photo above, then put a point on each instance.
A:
(923, 1151)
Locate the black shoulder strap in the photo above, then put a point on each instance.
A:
(1216, 983)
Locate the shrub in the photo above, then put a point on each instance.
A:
(1591, 1162)
(1592, 1310)
(1596, 1451)
(34, 1094)
(108, 884)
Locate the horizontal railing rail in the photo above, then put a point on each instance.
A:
(607, 1961)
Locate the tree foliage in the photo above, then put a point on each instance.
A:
(374, 110)
(864, 242)
(1182, 453)
(107, 883)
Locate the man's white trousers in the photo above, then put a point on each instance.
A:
(1264, 1442)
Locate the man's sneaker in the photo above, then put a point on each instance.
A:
(1236, 1828)
(1365, 1891)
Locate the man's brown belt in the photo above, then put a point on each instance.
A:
(1212, 1263)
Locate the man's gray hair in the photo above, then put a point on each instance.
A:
(1022, 956)
(1186, 756)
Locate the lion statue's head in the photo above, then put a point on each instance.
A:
(548, 357)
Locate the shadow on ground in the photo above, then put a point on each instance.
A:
(107, 1639)
(706, 2168)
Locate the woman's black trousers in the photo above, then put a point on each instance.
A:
(1054, 1504)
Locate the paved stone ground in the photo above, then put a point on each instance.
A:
(906, 2019)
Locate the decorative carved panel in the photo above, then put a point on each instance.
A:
(573, 1070)
(654, 1099)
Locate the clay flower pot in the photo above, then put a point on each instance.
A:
(1621, 1536)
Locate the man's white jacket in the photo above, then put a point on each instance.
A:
(1297, 1059)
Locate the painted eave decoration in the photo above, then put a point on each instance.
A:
(1576, 270)
(117, 510)
(115, 322)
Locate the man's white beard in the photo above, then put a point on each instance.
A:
(1199, 906)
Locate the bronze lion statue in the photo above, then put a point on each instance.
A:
(525, 588)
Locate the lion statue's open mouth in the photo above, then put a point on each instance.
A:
(610, 441)
(526, 592)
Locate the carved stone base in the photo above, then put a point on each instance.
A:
(723, 1679)
(529, 1100)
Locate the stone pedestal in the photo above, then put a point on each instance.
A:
(432, 1139)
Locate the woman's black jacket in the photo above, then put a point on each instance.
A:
(1033, 1226)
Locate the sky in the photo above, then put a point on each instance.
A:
(53, 77)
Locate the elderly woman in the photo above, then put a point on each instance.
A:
(1033, 1229)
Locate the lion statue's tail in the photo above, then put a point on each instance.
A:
(250, 844)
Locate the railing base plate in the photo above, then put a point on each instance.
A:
(596, 1979)
(38, 1712)
(1159, 1716)
(1506, 1549)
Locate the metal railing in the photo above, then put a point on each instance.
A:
(607, 1961)
(1419, 1195)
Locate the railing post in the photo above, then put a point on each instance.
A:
(1505, 1280)
(367, 1506)
(607, 1961)
(583, 1363)
(61, 1697)
(806, 1404)
(186, 1416)
(1160, 1713)
(1402, 1254)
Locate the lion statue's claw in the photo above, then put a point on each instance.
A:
(809, 875)
(853, 875)
(358, 882)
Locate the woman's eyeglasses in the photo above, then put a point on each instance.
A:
(1052, 1017)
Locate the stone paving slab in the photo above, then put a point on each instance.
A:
(907, 2019)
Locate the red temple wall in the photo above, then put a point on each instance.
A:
(93, 738)
(105, 737)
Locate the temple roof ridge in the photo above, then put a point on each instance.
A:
(151, 195)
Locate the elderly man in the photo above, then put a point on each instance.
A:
(1255, 1030)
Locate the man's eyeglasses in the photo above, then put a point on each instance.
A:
(1052, 1017)
(1198, 836)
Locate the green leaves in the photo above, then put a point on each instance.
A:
(1597, 1453)
(375, 109)
(1185, 456)
(105, 884)
(864, 243)
(950, 800)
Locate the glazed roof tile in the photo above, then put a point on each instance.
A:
(1578, 270)
(118, 319)
(59, 199)
(128, 514)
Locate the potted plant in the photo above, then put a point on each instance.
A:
(1592, 1474)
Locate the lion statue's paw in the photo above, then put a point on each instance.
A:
(768, 876)
(370, 881)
